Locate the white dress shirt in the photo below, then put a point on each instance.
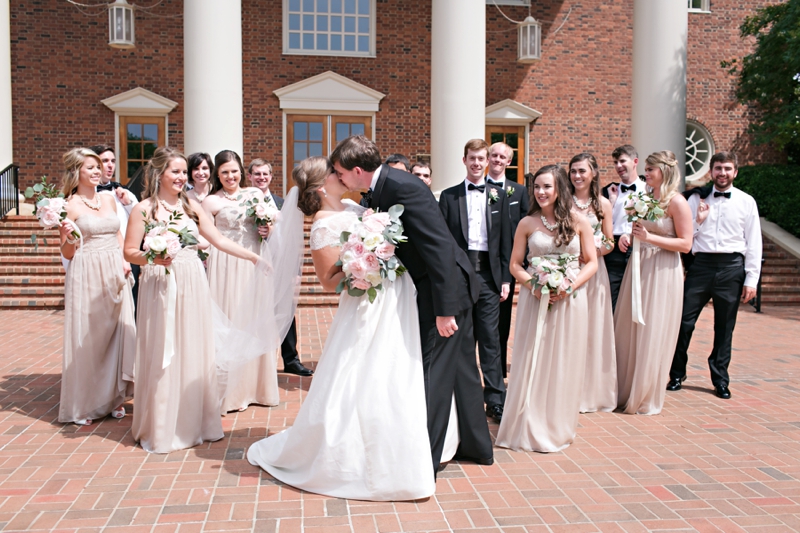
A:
(732, 226)
(476, 214)
(375, 176)
(618, 214)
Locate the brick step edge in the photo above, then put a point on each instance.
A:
(31, 303)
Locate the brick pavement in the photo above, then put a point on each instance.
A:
(702, 465)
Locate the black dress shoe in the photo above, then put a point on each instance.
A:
(296, 367)
(675, 383)
(495, 412)
(722, 391)
(485, 461)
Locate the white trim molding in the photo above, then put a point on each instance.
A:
(329, 92)
(510, 113)
(140, 102)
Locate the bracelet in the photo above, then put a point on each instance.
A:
(70, 241)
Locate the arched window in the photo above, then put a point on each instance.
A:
(699, 149)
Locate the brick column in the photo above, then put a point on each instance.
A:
(212, 72)
(458, 85)
(6, 124)
(660, 29)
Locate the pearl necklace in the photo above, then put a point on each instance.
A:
(582, 207)
(229, 197)
(169, 209)
(550, 227)
(95, 207)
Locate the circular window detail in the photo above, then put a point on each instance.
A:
(699, 149)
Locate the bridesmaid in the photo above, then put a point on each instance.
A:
(644, 352)
(177, 400)
(200, 170)
(544, 390)
(230, 279)
(600, 382)
(99, 330)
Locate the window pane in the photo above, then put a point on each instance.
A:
(149, 150)
(294, 5)
(308, 41)
(350, 43)
(300, 131)
(363, 7)
(336, 42)
(294, 40)
(512, 139)
(363, 25)
(300, 151)
(322, 23)
(356, 129)
(322, 42)
(514, 162)
(134, 132)
(495, 137)
(134, 150)
(322, 6)
(315, 131)
(342, 132)
(314, 149)
(512, 174)
(133, 166)
(336, 24)
(350, 24)
(151, 132)
(363, 43)
(308, 22)
(350, 7)
(336, 6)
(294, 22)
(308, 6)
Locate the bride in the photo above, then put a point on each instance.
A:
(361, 432)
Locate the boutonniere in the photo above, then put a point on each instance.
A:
(492, 196)
(509, 191)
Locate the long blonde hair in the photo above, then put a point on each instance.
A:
(668, 163)
(155, 168)
(73, 161)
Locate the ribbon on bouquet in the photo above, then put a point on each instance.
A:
(544, 303)
(172, 303)
(636, 285)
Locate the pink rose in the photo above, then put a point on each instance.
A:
(385, 250)
(358, 248)
(156, 230)
(367, 213)
(49, 217)
(354, 238)
(572, 273)
(57, 204)
(357, 268)
(360, 284)
(173, 246)
(565, 285)
(371, 262)
(373, 224)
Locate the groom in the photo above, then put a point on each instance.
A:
(447, 287)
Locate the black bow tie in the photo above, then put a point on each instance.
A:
(366, 197)
(107, 187)
(494, 182)
(717, 194)
(626, 188)
(473, 187)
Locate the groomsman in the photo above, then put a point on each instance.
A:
(477, 216)
(500, 155)
(625, 160)
(259, 173)
(726, 267)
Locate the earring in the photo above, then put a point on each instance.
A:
(325, 194)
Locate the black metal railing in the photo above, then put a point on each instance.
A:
(9, 190)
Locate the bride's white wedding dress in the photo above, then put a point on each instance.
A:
(361, 432)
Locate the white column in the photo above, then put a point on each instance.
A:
(458, 85)
(6, 124)
(660, 28)
(212, 76)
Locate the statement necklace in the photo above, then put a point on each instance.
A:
(550, 227)
(581, 206)
(167, 207)
(96, 206)
(229, 197)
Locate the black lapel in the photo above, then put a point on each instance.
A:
(376, 192)
(489, 207)
(462, 211)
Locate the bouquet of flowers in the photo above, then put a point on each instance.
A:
(600, 239)
(51, 207)
(264, 212)
(642, 206)
(368, 253)
(163, 239)
(554, 273)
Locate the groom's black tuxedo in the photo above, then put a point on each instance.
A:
(446, 286)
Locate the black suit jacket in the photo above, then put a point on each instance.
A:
(430, 254)
(453, 204)
(278, 201)
(519, 203)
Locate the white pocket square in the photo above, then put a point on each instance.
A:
(512, 203)
(493, 212)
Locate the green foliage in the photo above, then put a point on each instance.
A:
(776, 189)
(769, 78)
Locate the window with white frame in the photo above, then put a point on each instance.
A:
(329, 27)
(699, 149)
(699, 6)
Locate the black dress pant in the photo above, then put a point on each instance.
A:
(505, 327)
(289, 346)
(486, 321)
(616, 263)
(449, 367)
(712, 276)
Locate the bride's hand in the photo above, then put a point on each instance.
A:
(263, 266)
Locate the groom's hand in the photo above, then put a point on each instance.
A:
(446, 325)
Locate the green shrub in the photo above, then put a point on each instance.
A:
(776, 189)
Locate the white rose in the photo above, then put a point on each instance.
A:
(373, 277)
(640, 207)
(555, 279)
(158, 244)
(372, 240)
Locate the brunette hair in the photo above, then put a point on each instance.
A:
(399, 158)
(625, 149)
(309, 175)
(195, 160)
(562, 209)
(476, 145)
(100, 149)
(226, 156)
(725, 157)
(258, 162)
(356, 151)
(73, 161)
(594, 188)
(155, 168)
(668, 163)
